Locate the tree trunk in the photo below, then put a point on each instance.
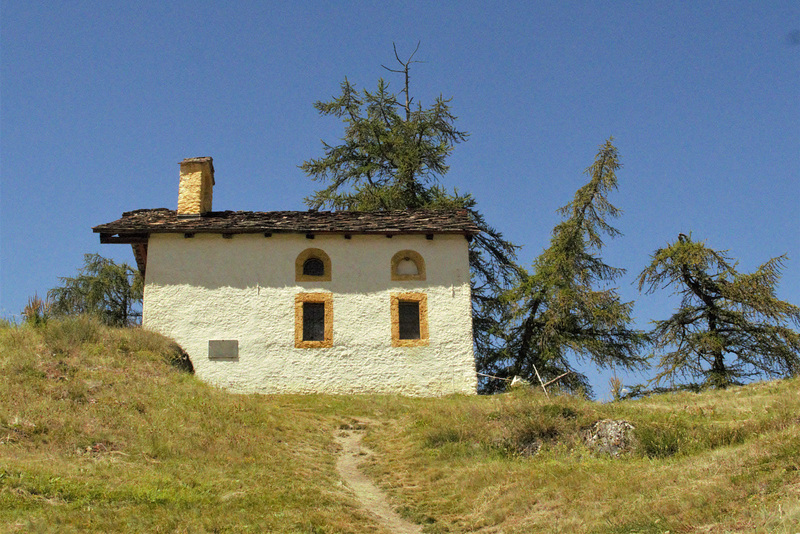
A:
(718, 376)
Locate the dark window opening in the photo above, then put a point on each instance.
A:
(409, 319)
(313, 267)
(313, 321)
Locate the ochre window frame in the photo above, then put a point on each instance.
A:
(307, 254)
(416, 257)
(422, 299)
(325, 298)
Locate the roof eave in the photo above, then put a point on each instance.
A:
(123, 238)
(130, 237)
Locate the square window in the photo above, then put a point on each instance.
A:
(313, 321)
(408, 314)
(409, 319)
(313, 316)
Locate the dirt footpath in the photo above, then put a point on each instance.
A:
(371, 497)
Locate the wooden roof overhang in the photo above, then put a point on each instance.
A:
(138, 243)
(136, 227)
(132, 239)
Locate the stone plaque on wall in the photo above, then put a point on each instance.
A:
(223, 349)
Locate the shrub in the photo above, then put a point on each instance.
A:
(37, 311)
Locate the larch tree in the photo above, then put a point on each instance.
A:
(730, 326)
(392, 156)
(110, 291)
(563, 308)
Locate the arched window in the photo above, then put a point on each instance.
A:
(408, 265)
(312, 265)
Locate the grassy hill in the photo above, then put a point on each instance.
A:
(100, 431)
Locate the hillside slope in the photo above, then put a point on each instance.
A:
(99, 432)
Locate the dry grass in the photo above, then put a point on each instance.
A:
(724, 461)
(101, 432)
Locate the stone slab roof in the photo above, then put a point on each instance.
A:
(140, 223)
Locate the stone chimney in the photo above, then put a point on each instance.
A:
(196, 185)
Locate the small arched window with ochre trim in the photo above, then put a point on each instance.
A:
(312, 265)
(408, 265)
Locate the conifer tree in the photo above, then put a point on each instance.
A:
(562, 308)
(392, 156)
(108, 290)
(730, 326)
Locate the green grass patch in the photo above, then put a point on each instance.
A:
(105, 430)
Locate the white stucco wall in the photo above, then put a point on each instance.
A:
(210, 288)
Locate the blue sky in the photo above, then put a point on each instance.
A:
(99, 101)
